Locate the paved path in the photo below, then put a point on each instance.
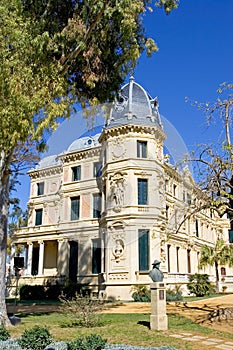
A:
(211, 343)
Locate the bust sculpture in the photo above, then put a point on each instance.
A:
(156, 274)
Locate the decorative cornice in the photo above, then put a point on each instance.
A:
(79, 155)
(37, 173)
(173, 173)
(126, 128)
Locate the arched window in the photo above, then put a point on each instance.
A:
(223, 271)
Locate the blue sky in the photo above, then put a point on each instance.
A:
(195, 56)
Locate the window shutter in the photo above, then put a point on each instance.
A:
(96, 256)
(75, 203)
(143, 247)
(142, 192)
(39, 213)
(96, 205)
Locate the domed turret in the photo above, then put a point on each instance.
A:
(134, 106)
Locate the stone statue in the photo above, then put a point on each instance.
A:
(156, 274)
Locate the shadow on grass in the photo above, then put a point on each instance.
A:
(24, 315)
(144, 323)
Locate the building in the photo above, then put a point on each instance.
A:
(102, 211)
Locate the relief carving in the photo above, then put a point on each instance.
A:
(117, 189)
(118, 149)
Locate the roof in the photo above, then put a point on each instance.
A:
(134, 106)
(83, 143)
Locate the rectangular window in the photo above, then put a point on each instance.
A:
(143, 250)
(174, 190)
(96, 256)
(166, 185)
(197, 228)
(167, 212)
(75, 206)
(189, 199)
(177, 259)
(142, 191)
(97, 198)
(168, 258)
(230, 236)
(189, 260)
(141, 149)
(76, 173)
(40, 188)
(39, 214)
(97, 169)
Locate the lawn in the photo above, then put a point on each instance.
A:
(131, 329)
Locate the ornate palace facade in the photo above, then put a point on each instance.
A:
(102, 211)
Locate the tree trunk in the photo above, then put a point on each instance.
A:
(217, 276)
(4, 207)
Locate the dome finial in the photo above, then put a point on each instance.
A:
(131, 74)
(131, 78)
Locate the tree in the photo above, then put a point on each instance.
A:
(199, 285)
(214, 162)
(16, 218)
(220, 254)
(52, 54)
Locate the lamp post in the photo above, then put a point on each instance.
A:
(18, 264)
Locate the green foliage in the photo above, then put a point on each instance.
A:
(200, 285)
(36, 338)
(4, 334)
(71, 289)
(90, 342)
(174, 294)
(221, 253)
(140, 293)
(81, 311)
(28, 292)
(54, 54)
(50, 291)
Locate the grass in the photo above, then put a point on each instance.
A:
(130, 329)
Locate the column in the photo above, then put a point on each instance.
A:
(63, 259)
(158, 318)
(41, 258)
(29, 259)
(12, 258)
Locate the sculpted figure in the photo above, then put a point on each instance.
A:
(156, 274)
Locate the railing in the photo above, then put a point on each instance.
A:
(177, 278)
(226, 279)
(143, 209)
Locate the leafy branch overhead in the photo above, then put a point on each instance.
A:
(54, 53)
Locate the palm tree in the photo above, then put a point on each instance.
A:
(220, 254)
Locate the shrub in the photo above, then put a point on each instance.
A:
(36, 338)
(4, 334)
(52, 291)
(141, 293)
(200, 285)
(28, 292)
(91, 342)
(71, 289)
(174, 294)
(81, 311)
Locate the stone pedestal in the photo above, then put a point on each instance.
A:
(158, 318)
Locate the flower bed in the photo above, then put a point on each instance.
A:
(12, 344)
